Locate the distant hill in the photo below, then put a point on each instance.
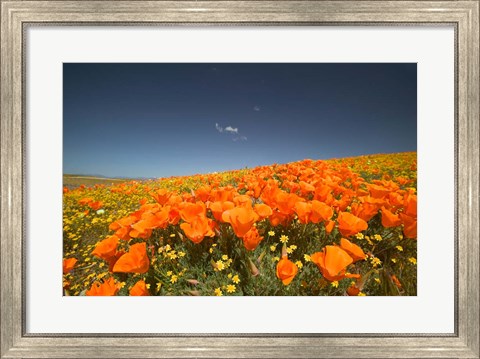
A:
(73, 180)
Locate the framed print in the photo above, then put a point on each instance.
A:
(268, 153)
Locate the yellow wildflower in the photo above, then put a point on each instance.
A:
(375, 262)
(220, 265)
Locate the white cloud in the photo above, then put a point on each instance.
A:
(256, 108)
(241, 138)
(231, 129)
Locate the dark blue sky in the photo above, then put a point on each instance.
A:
(161, 120)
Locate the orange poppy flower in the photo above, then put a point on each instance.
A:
(122, 227)
(353, 250)
(257, 188)
(402, 181)
(303, 211)
(241, 219)
(286, 202)
(323, 193)
(150, 221)
(353, 290)
(409, 226)
(243, 201)
(251, 239)
(147, 208)
(395, 199)
(107, 288)
(113, 260)
(134, 261)
(106, 249)
(410, 205)
(139, 289)
(161, 196)
(365, 210)
(306, 187)
(218, 208)
(396, 281)
(174, 200)
(85, 201)
(223, 194)
(123, 233)
(123, 222)
(279, 218)
(96, 205)
(173, 215)
(349, 225)
(263, 210)
(189, 211)
(203, 193)
(332, 262)
(198, 228)
(377, 191)
(390, 219)
(68, 264)
(320, 212)
(141, 229)
(329, 226)
(342, 203)
(286, 270)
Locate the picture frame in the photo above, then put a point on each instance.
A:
(17, 15)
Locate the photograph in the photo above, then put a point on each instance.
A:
(273, 179)
(239, 179)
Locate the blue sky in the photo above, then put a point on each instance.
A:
(161, 120)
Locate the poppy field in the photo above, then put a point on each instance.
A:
(328, 227)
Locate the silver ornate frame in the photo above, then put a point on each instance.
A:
(16, 15)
